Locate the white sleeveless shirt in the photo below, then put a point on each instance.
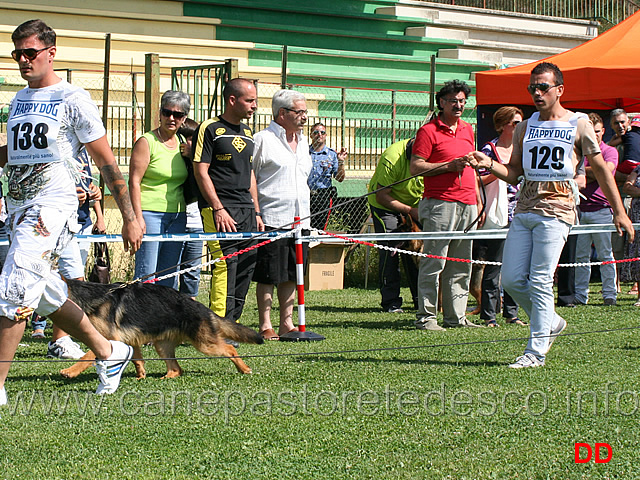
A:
(547, 148)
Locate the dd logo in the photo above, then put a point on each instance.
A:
(580, 446)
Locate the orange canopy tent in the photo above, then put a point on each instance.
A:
(601, 74)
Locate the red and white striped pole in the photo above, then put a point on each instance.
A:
(302, 334)
(300, 276)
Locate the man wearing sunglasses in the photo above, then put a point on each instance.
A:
(49, 124)
(327, 163)
(547, 149)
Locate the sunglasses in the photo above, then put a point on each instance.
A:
(176, 113)
(318, 132)
(29, 53)
(543, 87)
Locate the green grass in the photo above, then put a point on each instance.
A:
(343, 413)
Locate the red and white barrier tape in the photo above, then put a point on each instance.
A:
(225, 257)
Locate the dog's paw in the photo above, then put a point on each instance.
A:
(67, 373)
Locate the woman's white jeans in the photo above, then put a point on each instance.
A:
(531, 255)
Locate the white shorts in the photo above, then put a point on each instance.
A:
(74, 258)
(42, 204)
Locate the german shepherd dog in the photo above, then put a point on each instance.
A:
(142, 312)
(407, 225)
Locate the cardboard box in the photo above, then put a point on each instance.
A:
(325, 268)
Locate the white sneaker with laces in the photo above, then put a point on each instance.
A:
(3, 396)
(64, 348)
(527, 360)
(110, 370)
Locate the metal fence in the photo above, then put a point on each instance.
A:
(204, 84)
(607, 12)
(363, 121)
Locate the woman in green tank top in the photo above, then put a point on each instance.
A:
(156, 174)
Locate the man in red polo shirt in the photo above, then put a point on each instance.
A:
(449, 203)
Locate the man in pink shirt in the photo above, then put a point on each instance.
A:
(595, 209)
(449, 203)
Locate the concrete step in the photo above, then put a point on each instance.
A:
(456, 15)
(438, 32)
(515, 48)
(476, 55)
(143, 17)
(518, 38)
(508, 37)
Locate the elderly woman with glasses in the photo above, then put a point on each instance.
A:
(156, 175)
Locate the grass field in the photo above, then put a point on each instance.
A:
(381, 401)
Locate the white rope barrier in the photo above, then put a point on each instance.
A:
(458, 234)
(352, 238)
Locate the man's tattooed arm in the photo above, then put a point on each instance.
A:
(115, 181)
(103, 157)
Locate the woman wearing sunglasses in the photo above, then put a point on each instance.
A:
(156, 175)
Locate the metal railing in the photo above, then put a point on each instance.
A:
(607, 12)
(205, 84)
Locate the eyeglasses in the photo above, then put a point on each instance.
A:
(318, 132)
(455, 101)
(515, 122)
(298, 113)
(543, 87)
(176, 113)
(29, 53)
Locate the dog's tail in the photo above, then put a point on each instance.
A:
(235, 331)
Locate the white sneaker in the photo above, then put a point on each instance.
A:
(64, 348)
(110, 370)
(559, 328)
(527, 360)
(3, 397)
